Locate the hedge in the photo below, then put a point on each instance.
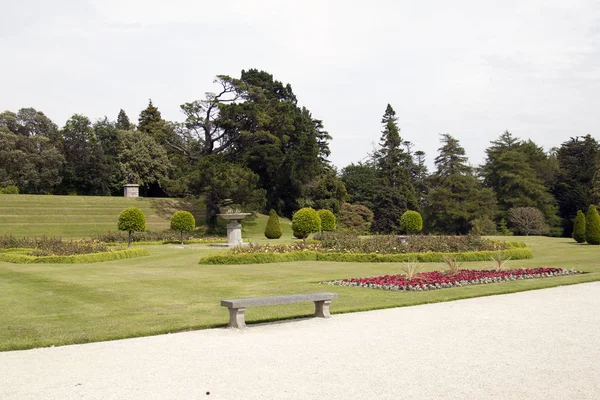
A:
(75, 259)
(264, 258)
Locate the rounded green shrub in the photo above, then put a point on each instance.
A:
(304, 222)
(592, 226)
(328, 221)
(411, 222)
(131, 220)
(579, 227)
(182, 221)
(10, 190)
(273, 228)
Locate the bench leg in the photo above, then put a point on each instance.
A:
(322, 309)
(236, 318)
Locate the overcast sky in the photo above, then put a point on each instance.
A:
(471, 68)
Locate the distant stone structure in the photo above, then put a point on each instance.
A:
(131, 190)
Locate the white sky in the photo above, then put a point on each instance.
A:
(471, 68)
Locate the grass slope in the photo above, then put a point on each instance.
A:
(82, 216)
(42, 305)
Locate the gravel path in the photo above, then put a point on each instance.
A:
(542, 344)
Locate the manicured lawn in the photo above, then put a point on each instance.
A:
(43, 305)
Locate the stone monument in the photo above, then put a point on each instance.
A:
(234, 229)
(131, 189)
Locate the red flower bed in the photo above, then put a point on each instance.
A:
(439, 280)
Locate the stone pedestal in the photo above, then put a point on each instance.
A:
(234, 229)
(131, 190)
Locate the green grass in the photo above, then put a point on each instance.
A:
(55, 304)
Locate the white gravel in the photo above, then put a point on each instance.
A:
(542, 344)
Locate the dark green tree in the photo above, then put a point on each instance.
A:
(592, 226)
(579, 227)
(395, 193)
(123, 121)
(360, 180)
(273, 228)
(141, 159)
(575, 186)
(456, 196)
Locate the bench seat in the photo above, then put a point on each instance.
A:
(237, 307)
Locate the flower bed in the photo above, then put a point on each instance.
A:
(439, 280)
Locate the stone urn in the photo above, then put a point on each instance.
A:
(234, 228)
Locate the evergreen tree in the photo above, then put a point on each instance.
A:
(592, 226)
(361, 181)
(575, 186)
(123, 121)
(510, 170)
(456, 196)
(394, 193)
(579, 227)
(273, 228)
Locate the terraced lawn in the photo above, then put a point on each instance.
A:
(43, 305)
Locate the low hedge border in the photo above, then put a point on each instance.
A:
(74, 259)
(264, 258)
(159, 242)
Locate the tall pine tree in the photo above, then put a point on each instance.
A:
(394, 193)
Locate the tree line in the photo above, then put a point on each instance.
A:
(252, 145)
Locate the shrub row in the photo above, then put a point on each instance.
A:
(13, 257)
(161, 237)
(263, 258)
(47, 246)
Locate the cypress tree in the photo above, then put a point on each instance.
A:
(592, 226)
(579, 227)
(273, 228)
(123, 121)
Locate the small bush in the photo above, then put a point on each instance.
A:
(483, 227)
(452, 266)
(10, 190)
(592, 226)
(183, 221)
(131, 219)
(273, 228)
(355, 218)
(304, 222)
(411, 222)
(503, 229)
(411, 269)
(579, 227)
(328, 221)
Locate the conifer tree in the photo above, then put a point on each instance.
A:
(579, 227)
(123, 121)
(592, 226)
(273, 228)
(394, 193)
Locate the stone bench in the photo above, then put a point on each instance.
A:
(237, 307)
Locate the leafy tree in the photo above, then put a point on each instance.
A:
(30, 122)
(355, 218)
(304, 222)
(123, 122)
(575, 186)
(328, 221)
(9, 190)
(592, 226)
(395, 193)
(141, 158)
(273, 228)
(183, 221)
(456, 196)
(32, 163)
(503, 229)
(411, 222)
(483, 226)
(579, 227)
(131, 220)
(528, 220)
(361, 182)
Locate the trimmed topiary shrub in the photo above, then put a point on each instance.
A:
(10, 190)
(592, 226)
(183, 221)
(273, 228)
(579, 227)
(328, 221)
(304, 222)
(411, 222)
(131, 220)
